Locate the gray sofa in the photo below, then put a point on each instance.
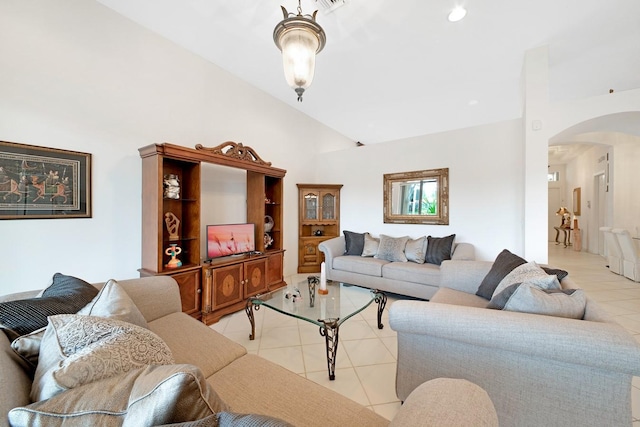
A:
(538, 370)
(404, 278)
(248, 383)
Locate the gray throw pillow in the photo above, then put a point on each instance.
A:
(439, 249)
(65, 295)
(415, 250)
(354, 243)
(392, 248)
(529, 298)
(505, 262)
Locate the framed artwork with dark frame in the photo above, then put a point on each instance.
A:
(41, 182)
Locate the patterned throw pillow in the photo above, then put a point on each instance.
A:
(65, 295)
(392, 248)
(439, 249)
(77, 350)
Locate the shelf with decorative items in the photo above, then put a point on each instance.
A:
(318, 220)
(171, 224)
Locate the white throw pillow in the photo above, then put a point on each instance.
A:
(77, 350)
(370, 245)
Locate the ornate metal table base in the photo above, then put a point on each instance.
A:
(329, 328)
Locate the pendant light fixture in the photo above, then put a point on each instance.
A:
(300, 38)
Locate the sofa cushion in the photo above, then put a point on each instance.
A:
(505, 262)
(197, 344)
(456, 297)
(66, 294)
(560, 274)
(439, 249)
(77, 350)
(392, 248)
(354, 243)
(292, 398)
(145, 396)
(531, 273)
(427, 274)
(112, 301)
(529, 298)
(370, 245)
(416, 249)
(360, 265)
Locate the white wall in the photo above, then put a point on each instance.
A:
(485, 170)
(78, 76)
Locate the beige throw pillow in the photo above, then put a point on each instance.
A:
(370, 245)
(392, 248)
(77, 350)
(152, 395)
(415, 250)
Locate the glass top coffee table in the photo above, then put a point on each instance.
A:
(328, 312)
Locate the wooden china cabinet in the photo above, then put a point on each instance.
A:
(208, 289)
(318, 220)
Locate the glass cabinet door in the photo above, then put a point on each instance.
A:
(310, 207)
(328, 206)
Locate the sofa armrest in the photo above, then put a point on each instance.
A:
(603, 345)
(155, 296)
(447, 402)
(464, 252)
(332, 248)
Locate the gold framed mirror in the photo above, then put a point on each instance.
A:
(576, 201)
(419, 197)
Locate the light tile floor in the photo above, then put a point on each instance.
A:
(366, 360)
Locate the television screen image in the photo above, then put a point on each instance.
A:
(230, 239)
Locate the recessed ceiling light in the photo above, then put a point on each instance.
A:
(457, 14)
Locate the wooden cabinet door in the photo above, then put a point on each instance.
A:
(227, 285)
(275, 278)
(255, 277)
(190, 291)
(328, 209)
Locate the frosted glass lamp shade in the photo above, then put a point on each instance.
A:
(299, 38)
(299, 57)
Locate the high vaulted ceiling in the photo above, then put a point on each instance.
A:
(396, 69)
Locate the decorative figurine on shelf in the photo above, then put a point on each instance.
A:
(268, 240)
(565, 216)
(268, 224)
(173, 251)
(173, 225)
(171, 186)
(318, 232)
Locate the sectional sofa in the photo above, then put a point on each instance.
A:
(415, 279)
(209, 376)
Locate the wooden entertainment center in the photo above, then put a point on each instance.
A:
(209, 290)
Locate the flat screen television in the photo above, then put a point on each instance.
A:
(230, 239)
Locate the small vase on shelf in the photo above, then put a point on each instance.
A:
(173, 250)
